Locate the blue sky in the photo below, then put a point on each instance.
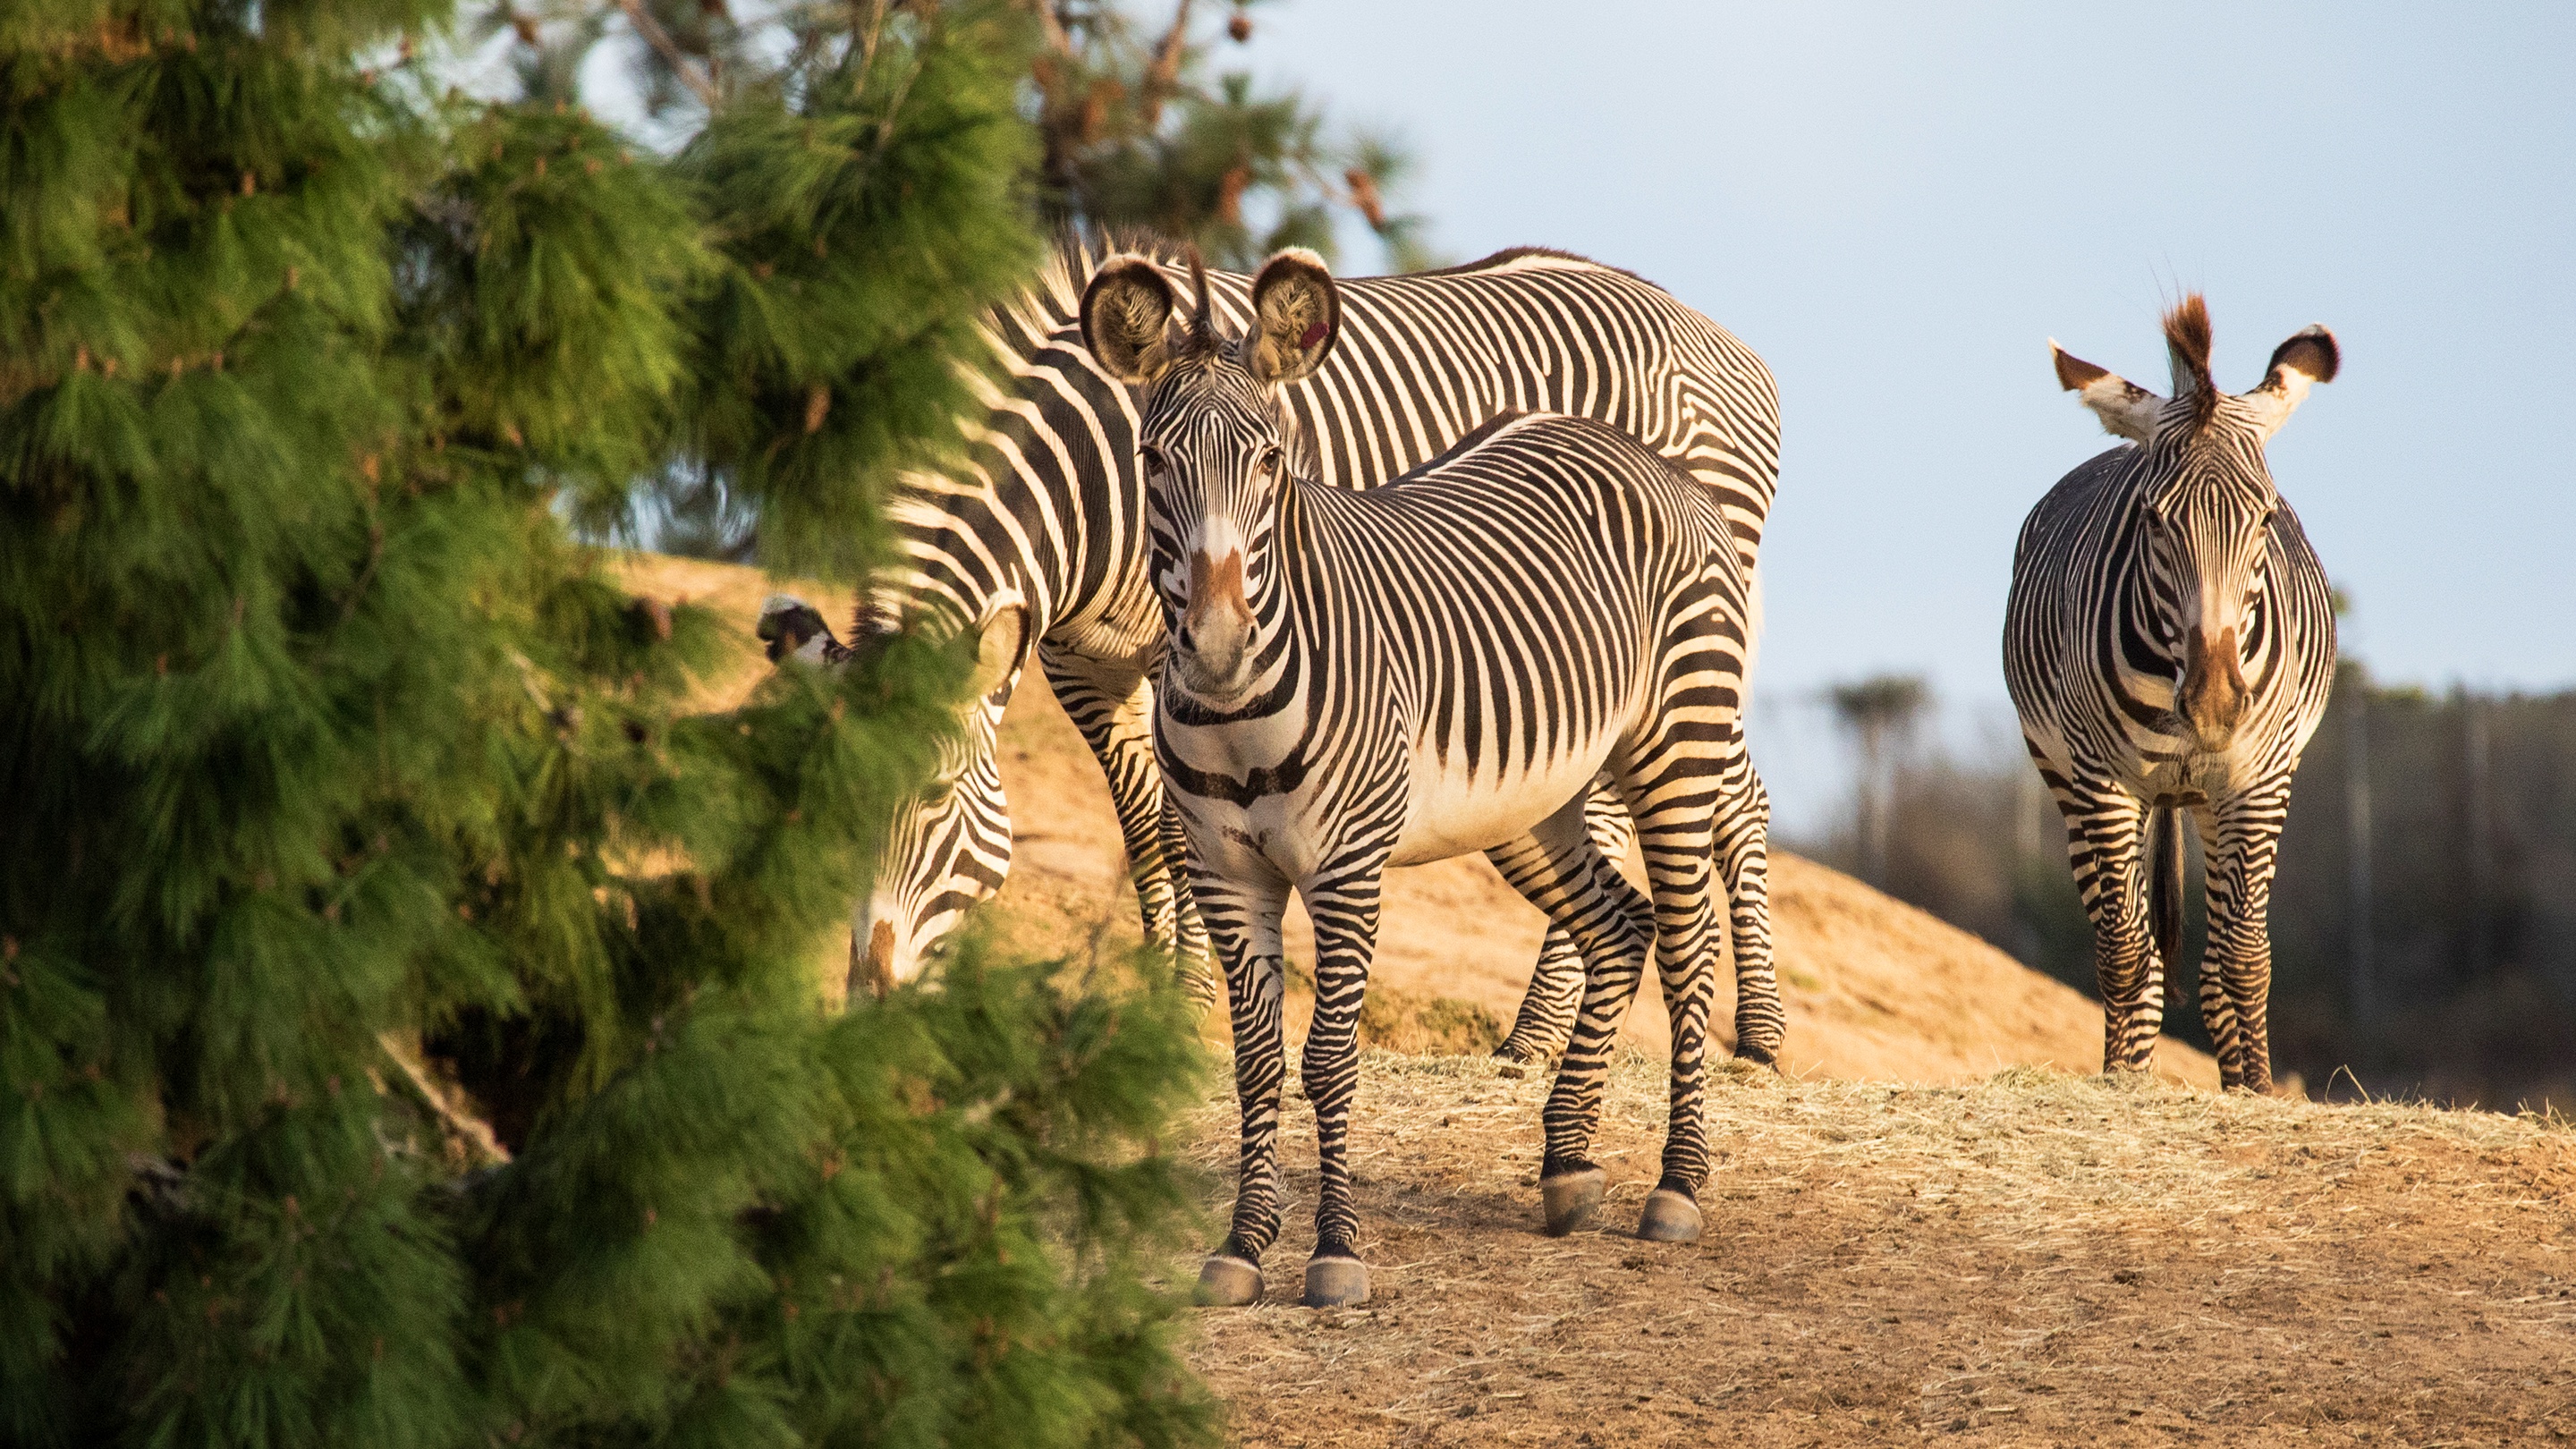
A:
(1898, 204)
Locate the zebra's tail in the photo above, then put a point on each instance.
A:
(2164, 884)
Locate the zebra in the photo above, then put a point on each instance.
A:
(2169, 642)
(1440, 665)
(1035, 541)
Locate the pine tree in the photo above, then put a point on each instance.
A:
(407, 1033)
(1132, 133)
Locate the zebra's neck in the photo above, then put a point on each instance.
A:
(1041, 506)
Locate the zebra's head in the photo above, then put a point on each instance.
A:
(1215, 443)
(2208, 504)
(949, 844)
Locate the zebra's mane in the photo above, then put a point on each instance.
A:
(1053, 298)
(2187, 341)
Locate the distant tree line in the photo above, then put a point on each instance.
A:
(2423, 919)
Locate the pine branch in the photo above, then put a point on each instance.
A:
(1163, 77)
(1051, 25)
(669, 49)
(868, 17)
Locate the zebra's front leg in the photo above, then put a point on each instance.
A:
(2241, 843)
(1546, 1017)
(1112, 705)
(1243, 921)
(1344, 909)
(2105, 826)
(1558, 869)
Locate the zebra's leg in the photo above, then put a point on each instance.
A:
(1344, 908)
(2105, 825)
(1112, 704)
(1243, 926)
(1744, 864)
(1675, 778)
(2242, 845)
(1559, 869)
(1555, 992)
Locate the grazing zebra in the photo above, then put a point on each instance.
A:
(2169, 642)
(1038, 539)
(1441, 665)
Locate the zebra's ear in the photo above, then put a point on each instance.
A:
(2126, 409)
(1126, 317)
(1297, 315)
(999, 651)
(2308, 358)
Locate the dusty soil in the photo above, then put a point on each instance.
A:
(1931, 1226)
(2038, 1258)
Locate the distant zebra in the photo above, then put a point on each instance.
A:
(2169, 642)
(1038, 543)
(1438, 666)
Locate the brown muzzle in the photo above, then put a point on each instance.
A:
(2213, 685)
(872, 970)
(1216, 591)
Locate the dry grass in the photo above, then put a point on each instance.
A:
(2037, 1258)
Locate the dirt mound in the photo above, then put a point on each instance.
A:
(1875, 989)
(2037, 1258)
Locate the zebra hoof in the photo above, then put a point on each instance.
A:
(1570, 1200)
(1336, 1282)
(1670, 1217)
(1228, 1282)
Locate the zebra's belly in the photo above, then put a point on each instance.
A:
(1453, 812)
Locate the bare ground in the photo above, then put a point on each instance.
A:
(2038, 1258)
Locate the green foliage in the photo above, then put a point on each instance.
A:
(871, 215)
(334, 768)
(839, 129)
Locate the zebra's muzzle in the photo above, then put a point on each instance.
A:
(1215, 641)
(2214, 691)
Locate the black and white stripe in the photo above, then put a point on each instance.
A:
(2169, 642)
(1439, 666)
(1039, 535)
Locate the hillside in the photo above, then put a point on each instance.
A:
(1875, 989)
(1935, 1223)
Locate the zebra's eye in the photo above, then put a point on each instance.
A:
(1270, 458)
(1156, 465)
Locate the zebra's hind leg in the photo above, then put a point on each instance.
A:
(1112, 705)
(1744, 864)
(1558, 868)
(2104, 829)
(1243, 922)
(2242, 843)
(1555, 992)
(1344, 908)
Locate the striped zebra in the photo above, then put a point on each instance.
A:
(2169, 642)
(1441, 665)
(1037, 542)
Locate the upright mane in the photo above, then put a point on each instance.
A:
(2187, 340)
(1053, 298)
